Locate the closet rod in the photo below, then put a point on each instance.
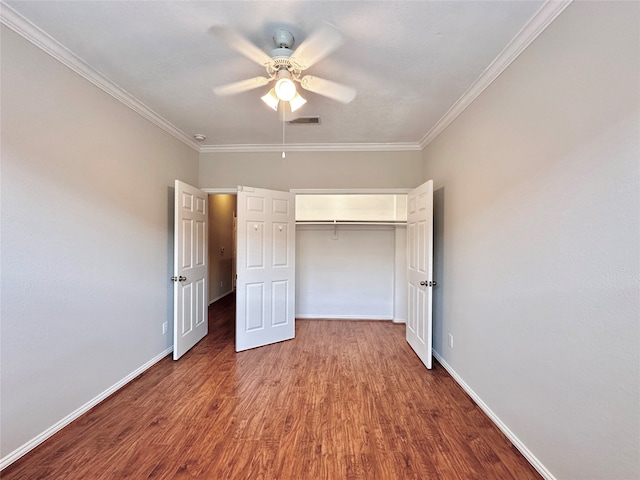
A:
(349, 222)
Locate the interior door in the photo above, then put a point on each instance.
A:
(265, 285)
(420, 270)
(190, 291)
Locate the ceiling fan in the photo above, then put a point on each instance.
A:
(285, 66)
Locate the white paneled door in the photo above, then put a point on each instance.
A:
(420, 270)
(265, 285)
(190, 268)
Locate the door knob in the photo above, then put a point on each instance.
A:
(424, 283)
(178, 279)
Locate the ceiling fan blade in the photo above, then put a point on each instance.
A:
(317, 46)
(334, 90)
(241, 44)
(241, 86)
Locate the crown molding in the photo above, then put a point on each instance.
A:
(538, 23)
(312, 147)
(46, 43)
(547, 13)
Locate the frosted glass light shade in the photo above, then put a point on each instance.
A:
(296, 102)
(285, 89)
(271, 99)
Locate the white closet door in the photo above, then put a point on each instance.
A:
(265, 287)
(420, 270)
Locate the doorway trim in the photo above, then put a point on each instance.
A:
(350, 191)
(321, 191)
(220, 191)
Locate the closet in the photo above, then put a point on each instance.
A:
(351, 256)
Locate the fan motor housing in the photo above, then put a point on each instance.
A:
(280, 54)
(280, 60)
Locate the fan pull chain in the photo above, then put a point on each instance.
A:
(283, 122)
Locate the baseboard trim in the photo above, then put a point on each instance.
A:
(220, 297)
(34, 442)
(531, 458)
(342, 317)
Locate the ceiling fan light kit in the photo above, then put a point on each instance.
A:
(285, 88)
(285, 66)
(296, 102)
(271, 99)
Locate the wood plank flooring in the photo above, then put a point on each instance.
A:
(344, 400)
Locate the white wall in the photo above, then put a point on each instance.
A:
(348, 275)
(401, 287)
(538, 246)
(312, 170)
(86, 241)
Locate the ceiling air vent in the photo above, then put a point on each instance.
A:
(305, 121)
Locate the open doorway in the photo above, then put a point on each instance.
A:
(222, 245)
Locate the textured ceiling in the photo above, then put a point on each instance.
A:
(410, 61)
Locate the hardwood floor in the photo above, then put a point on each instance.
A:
(344, 400)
